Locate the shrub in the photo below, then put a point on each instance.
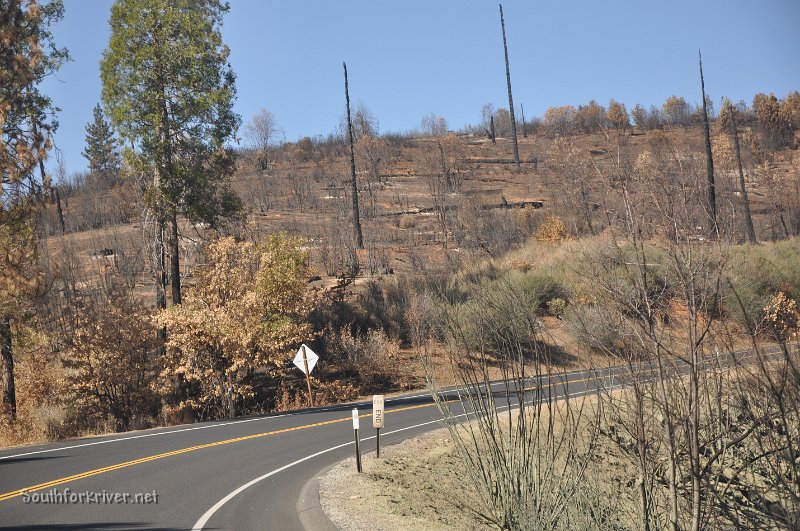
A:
(363, 360)
(551, 230)
(781, 317)
(248, 307)
(759, 273)
(539, 289)
(556, 307)
(113, 362)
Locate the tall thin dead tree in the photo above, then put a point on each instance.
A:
(748, 216)
(524, 129)
(353, 183)
(711, 193)
(510, 99)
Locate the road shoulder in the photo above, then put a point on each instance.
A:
(416, 484)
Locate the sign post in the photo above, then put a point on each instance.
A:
(305, 360)
(355, 430)
(377, 420)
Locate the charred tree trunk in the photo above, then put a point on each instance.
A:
(59, 211)
(55, 195)
(524, 129)
(175, 263)
(748, 216)
(510, 99)
(711, 192)
(491, 130)
(160, 259)
(9, 393)
(353, 183)
(161, 274)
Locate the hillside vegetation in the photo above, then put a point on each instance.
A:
(445, 217)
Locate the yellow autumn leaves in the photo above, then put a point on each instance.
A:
(247, 308)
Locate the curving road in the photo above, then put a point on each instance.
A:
(238, 474)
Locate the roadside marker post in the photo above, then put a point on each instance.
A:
(306, 360)
(377, 420)
(355, 430)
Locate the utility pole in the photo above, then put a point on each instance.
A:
(353, 183)
(510, 99)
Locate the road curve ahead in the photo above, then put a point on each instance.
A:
(236, 474)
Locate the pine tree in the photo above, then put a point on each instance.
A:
(27, 56)
(169, 90)
(101, 148)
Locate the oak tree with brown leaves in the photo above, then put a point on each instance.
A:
(246, 312)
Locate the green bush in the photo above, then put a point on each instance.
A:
(500, 311)
(539, 289)
(556, 307)
(758, 273)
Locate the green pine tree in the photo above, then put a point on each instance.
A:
(101, 148)
(169, 90)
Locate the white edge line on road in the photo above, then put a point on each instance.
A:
(220, 424)
(198, 526)
(576, 372)
(209, 513)
(205, 427)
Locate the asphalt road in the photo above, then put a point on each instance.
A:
(238, 474)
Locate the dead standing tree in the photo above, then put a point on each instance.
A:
(727, 118)
(353, 183)
(510, 99)
(711, 192)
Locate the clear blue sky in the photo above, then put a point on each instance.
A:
(409, 58)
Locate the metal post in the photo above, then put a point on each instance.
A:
(355, 431)
(308, 376)
(358, 454)
(377, 420)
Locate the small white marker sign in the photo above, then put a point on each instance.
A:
(377, 411)
(355, 418)
(311, 358)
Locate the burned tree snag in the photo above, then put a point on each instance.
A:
(510, 99)
(8, 401)
(711, 194)
(748, 216)
(353, 183)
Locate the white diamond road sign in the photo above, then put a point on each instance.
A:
(311, 358)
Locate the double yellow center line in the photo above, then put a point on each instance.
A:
(126, 464)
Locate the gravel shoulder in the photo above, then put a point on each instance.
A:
(416, 484)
